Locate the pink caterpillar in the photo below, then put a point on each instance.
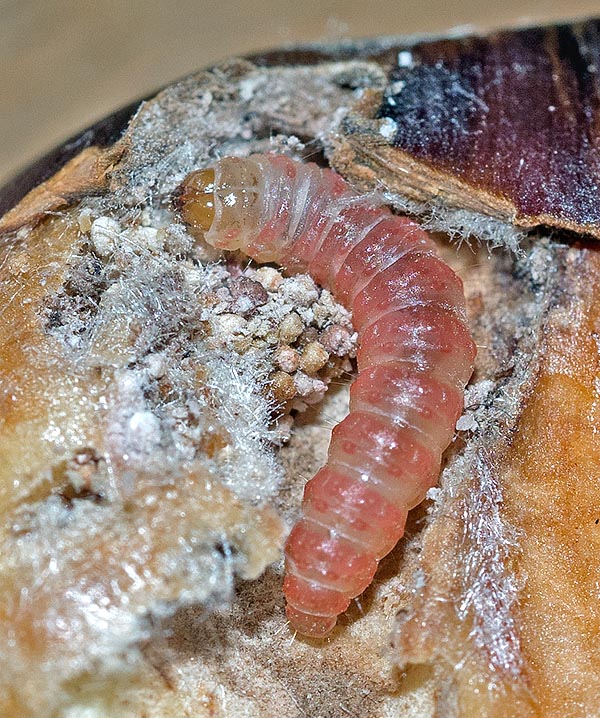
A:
(415, 356)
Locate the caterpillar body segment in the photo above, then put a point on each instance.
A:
(415, 357)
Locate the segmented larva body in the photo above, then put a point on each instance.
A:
(414, 358)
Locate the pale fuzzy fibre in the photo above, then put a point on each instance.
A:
(462, 225)
(489, 593)
(139, 310)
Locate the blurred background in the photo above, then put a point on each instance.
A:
(66, 63)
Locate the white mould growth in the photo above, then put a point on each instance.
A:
(462, 224)
(388, 128)
(191, 345)
(249, 467)
(490, 592)
(104, 233)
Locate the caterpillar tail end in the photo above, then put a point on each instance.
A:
(312, 609)
(308, 625)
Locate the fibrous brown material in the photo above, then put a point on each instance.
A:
(136, 436)
(87, 173)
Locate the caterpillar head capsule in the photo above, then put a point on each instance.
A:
(223, 205)
(196, 199)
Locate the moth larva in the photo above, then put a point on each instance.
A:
(414, 359)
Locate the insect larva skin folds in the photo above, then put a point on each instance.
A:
(414, 280)
(408, 397)
(307, 624)
(414, 358)
(382, 246)
(352, 225)
(355, 508)
(396, 459)
(320, 554)
(317, 600)
(430, 337)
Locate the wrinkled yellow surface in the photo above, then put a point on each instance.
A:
(46, 408)
(552, 494)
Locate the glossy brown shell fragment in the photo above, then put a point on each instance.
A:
(505, 124)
